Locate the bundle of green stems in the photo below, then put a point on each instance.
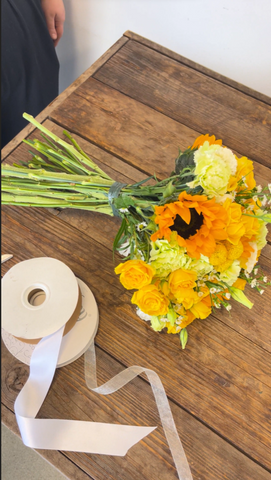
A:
(61, 175)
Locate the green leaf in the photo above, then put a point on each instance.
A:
(218, 286)
(183, 337)
(240, 297)
(119, 234)
(123, 201)
(184, 160)
(171, 316)
(169, 190)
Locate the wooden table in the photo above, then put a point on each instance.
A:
(131, 111)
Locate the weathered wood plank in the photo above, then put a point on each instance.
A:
(69, 398)
(221, 378)
(60, 98)
(193, 99)
(124, 127)
(145, 138)
(196, 66)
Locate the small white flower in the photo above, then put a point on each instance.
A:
(269, 187)
(124, 210)
(256, 271)
(264, 200)
(253, 283)
(265, 279)
(217, 305)
(259, 188)
(140, 226)
(142, 315)
(228, 296)
(125, 249)
(228, 307)
(213, 290)
(200, 294)
(255, 198)
(179, 320)
(261, 292)
(247, 274)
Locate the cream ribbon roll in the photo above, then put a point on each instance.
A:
(56, 283)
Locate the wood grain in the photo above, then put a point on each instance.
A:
(132, 131)
(124, 127)
(134, 404)
(222, 378)
(196, 66)
(195, 100)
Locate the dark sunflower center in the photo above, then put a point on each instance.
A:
(183, 229)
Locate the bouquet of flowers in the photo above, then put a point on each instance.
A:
(190, 242)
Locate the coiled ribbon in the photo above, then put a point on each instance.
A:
(82, 436)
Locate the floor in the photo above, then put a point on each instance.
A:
(22, 463)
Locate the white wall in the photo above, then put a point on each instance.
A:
(232, 37)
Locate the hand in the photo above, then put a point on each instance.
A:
(54, 12)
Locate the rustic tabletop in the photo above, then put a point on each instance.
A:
(131, 112)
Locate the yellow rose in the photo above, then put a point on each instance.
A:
(151, 301)
(252, 226)
(235, 227)
(181, 283)
(135, 274)
(182, 279)
(202, 309)
(245, 170)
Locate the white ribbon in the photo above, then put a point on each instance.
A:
(81, 436)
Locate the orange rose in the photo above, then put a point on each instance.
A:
(135, 274)
(151, 301)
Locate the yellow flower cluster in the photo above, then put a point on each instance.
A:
(203, 244)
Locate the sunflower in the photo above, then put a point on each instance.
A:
(199, 223)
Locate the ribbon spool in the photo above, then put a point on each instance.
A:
(39, 296)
